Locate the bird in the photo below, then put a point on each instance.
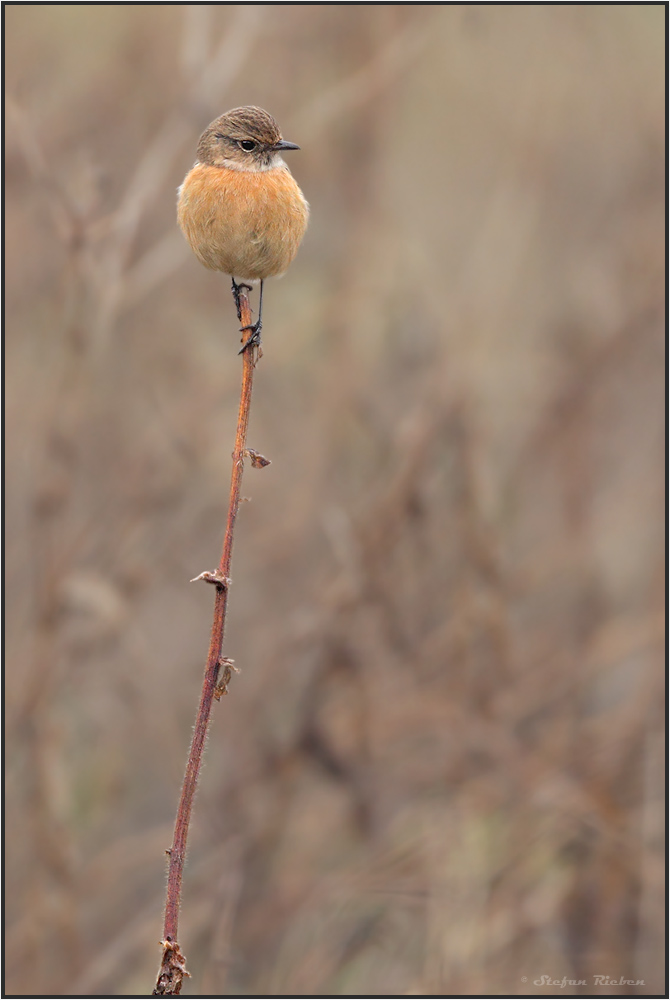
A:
(239, 207)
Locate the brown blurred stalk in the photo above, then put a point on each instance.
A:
(217, 674)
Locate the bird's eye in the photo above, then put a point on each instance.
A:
(247, 144)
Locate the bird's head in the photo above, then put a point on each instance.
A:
(243, 139)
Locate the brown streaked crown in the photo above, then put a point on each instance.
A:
(244, 138)
(248, 123)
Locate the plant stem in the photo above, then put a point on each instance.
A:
(173, 966)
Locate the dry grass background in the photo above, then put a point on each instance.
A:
(440, 769)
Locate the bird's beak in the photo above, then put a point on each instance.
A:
(283, 144)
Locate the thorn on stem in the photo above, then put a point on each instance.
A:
(216, 577)
(258, 461)
(226, 669)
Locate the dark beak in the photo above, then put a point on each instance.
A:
(283, 144)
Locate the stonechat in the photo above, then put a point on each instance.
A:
(239, 207)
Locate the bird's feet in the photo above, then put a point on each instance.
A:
(254, 339)
(236, 295)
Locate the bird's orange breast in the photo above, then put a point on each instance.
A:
(245, 223)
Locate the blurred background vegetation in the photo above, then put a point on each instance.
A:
(440, 768)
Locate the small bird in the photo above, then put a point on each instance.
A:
(239, 207)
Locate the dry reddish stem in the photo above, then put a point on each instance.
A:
(173, 967)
